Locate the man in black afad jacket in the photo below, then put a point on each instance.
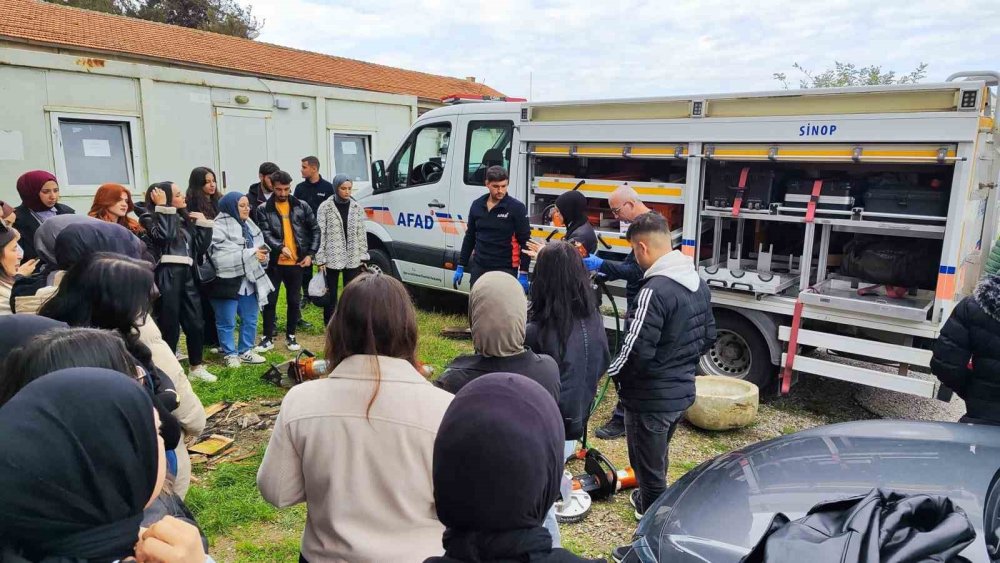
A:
(671, 327)
(292, 233)
(967, 353)
(496, 235)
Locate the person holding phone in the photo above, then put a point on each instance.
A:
(241, 287)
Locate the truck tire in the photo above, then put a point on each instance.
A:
(379, 260)
(740, 351)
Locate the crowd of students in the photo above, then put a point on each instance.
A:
(95, 406)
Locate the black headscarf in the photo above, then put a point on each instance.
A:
(80, 239)
(19, 330)
(503, 430)
(78, 463)
(573, 207)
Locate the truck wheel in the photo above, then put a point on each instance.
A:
(740, 351)
(380, 261)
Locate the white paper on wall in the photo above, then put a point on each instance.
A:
(11, 145)
(348, 147)
(96, 148)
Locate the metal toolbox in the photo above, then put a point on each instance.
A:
(723, 185)
(835, 194)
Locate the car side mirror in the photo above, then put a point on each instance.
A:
(379, 182)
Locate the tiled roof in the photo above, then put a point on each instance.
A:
(50, 24)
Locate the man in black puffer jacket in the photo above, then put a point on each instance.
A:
(967, 353)
(292, 233)
(670, 328)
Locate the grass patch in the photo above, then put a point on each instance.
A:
(227, 497)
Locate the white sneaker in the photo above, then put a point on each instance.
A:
(266, 345)
(200, 373)
(250, 357)
(292, 344)
(233, 362)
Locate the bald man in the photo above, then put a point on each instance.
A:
(626, 206)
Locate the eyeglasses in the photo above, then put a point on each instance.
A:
(617, 210)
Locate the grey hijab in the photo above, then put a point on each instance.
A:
(498, 313)
(45, 236)
(337, 181)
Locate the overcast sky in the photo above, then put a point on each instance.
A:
(622, 48)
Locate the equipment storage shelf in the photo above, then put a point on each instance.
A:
(854, 295)
(918, 230)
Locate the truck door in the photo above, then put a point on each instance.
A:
(417, 181)
(486, 141)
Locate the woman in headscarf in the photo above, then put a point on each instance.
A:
(334, 436)
(505, 430)
(39, 191)
(343, 245)
(572, 213)
(241, 285)
(113, 203)
(498, 312)
(573, 208)
(11, 267)
(87, 235)
(82, 459)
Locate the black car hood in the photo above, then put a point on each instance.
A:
(720, 509)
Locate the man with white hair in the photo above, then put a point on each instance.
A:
(627, 207)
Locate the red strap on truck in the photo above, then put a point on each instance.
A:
(740, 188)
(793, 345)
(813, 200)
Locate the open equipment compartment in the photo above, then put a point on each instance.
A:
(873, 206)
(658, 173)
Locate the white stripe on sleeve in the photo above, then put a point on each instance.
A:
(642, 305)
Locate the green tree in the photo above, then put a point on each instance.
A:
(219, 16)
(849, 74)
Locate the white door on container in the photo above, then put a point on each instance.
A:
(244, 143)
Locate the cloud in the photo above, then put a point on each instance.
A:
(629, 48)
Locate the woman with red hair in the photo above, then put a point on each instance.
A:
(113, 203)
(39, 191)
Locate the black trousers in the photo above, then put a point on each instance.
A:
(179, 306)
(307, 276)
(332, 280)
(291, 276)
(648, 437)
(476, 271)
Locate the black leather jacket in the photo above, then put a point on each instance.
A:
(305, 228)
(173, 240)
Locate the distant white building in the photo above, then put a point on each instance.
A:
(99, 98)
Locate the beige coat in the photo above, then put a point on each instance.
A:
(366, 482)
(190, 413)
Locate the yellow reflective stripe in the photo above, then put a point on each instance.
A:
(848, 152)
(608, 188)
(612, 241)
(551, 149)
(600, 150)
(655, 151)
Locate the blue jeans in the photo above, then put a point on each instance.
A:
(226, 311)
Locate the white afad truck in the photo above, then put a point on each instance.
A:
(837, 228)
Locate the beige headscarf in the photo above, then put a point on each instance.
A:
(498, 312)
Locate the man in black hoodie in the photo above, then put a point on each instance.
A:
(670, 328)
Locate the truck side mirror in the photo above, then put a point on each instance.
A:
(379, 182)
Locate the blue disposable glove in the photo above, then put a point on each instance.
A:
(593, 262)
(523, 279)
(459, 272)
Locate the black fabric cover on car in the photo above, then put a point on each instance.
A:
(880, 527)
